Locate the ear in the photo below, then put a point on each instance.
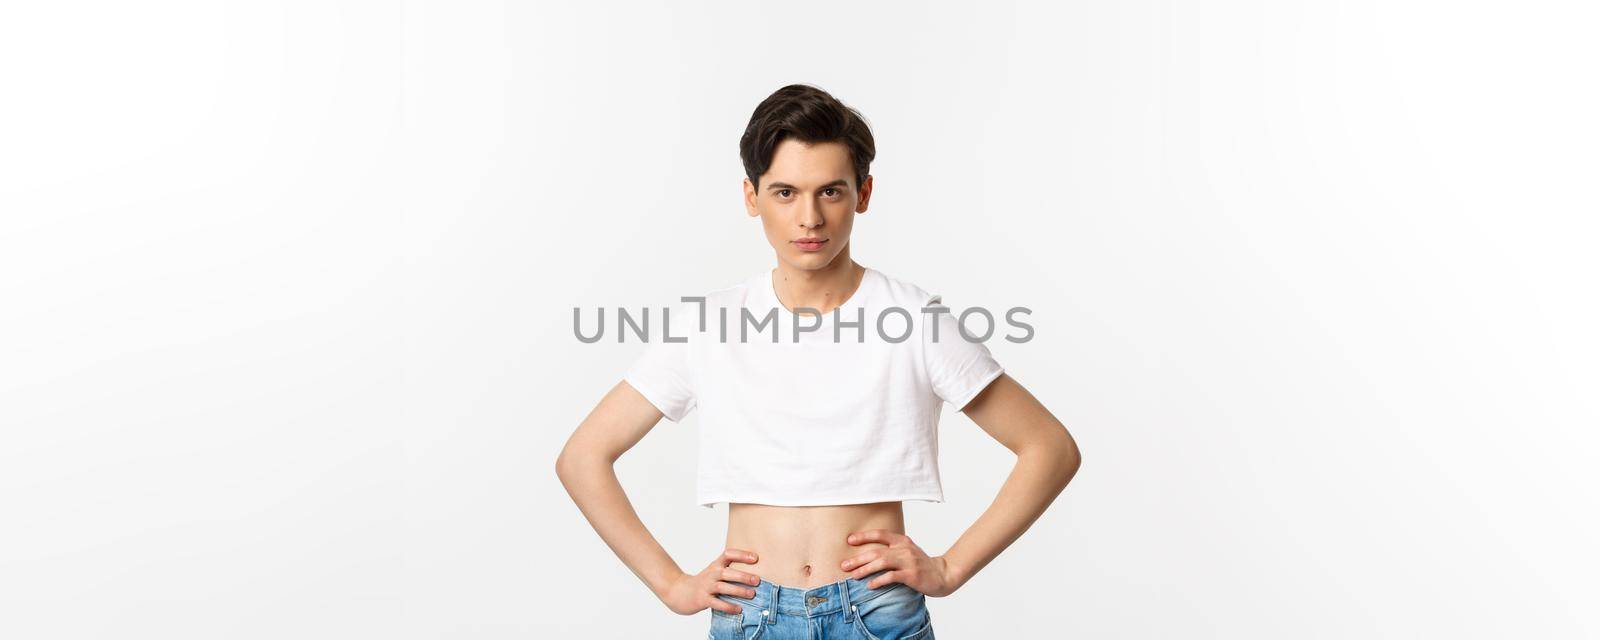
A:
(866, 194)
(750, 199)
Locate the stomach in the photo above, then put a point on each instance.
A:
(803, 546)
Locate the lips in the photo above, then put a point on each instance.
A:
(810, 244)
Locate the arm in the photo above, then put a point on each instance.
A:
(585, 467)
(1047, 458)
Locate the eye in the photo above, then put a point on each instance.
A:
(783, 193)
(834, 189)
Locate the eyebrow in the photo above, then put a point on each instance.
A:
(841, 182)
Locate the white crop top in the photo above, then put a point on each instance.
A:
(808, 420)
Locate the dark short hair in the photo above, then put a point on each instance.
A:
(807, 114)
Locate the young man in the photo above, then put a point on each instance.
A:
(815, 444)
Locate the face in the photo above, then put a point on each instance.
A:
(807, 202)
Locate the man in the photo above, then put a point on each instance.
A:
(815, 445)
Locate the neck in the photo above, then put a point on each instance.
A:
(821, 289)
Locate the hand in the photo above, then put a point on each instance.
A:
(688, 595)
(906, 562)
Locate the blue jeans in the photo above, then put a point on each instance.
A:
(844, 610)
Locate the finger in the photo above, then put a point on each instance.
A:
(884, 536)
(726, 607)
(870, 568)
(860, 560)
(734, 590)
(735, 575)
(731, 555)
(884, 580)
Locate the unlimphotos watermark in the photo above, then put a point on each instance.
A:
(748, 320)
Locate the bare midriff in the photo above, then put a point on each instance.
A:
(803, 546)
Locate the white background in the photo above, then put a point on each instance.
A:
(286, 293)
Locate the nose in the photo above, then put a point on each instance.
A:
(810, 215)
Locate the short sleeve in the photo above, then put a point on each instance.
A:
(663, 375)
(957, 368)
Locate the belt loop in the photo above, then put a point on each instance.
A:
(772, 605)
(846, 603)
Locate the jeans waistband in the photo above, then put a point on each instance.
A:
(815, 601)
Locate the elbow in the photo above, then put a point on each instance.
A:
(569, 470)
(563, 466)
(1074, 462)
(1055, 455)
(1068, 456)
(576, 463)
(567, 465)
